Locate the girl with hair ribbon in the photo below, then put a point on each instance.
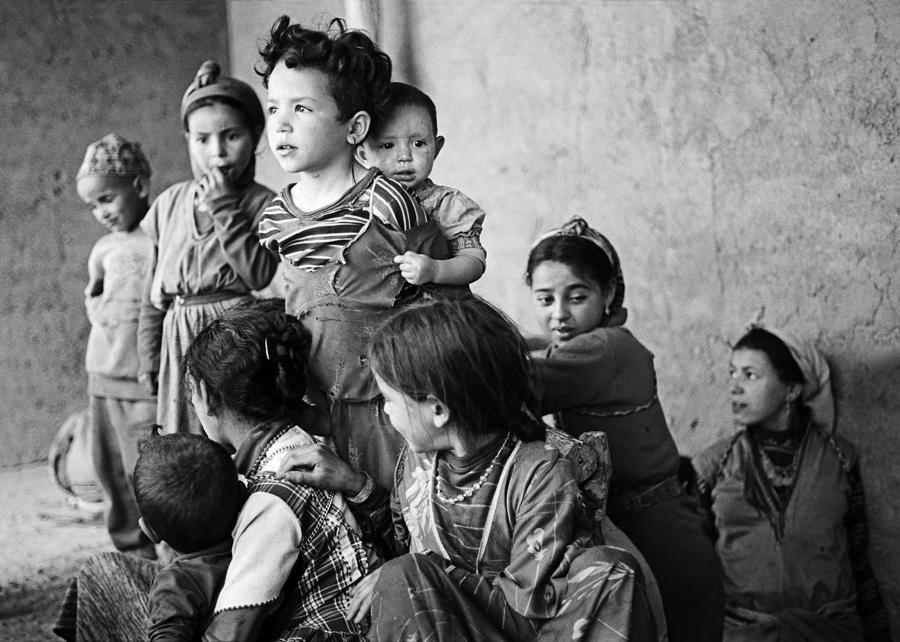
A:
(594, 375)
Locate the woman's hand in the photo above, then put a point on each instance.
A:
(320, 467)
(363, 592)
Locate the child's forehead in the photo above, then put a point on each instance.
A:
(97, 183)
(409, 117)
(299, 82)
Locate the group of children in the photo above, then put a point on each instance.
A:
(385, 424)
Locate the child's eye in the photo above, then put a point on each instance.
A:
(300, 109)
(200, 139)
(271, 109)
(419, 143)
(386, 146)
(544, 300)
(233, 136)
(105, 199)
(577, 298)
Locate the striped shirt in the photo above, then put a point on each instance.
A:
(309, 240)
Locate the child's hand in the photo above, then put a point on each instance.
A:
(417, 269)
(363, 592)
(214, 184)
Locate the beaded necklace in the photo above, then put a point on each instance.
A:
(468, 492)
(265, 457)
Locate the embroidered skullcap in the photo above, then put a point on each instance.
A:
(816, 394)
(577, 226)
(209, 83)
(112, 155)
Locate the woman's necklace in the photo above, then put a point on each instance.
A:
(468, 492)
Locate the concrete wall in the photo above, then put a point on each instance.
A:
(72, 72)
(739, 155)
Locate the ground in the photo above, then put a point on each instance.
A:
(43, 540)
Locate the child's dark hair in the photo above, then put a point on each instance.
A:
(187, 490)
(403, 95)
(778, 353)
(469, 355)
(251, 360)
(359, 73)
(581, 255)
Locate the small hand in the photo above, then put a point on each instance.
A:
(417, 269)
(214, 184)
(363, 592)
(148, 382)
(320, 467)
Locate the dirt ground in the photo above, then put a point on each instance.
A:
(43, 540)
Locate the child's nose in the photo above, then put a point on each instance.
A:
(405, 152)
(218, 146)
(559, 310)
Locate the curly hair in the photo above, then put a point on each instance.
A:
(251, 360)
(359, 73)
(469, 355)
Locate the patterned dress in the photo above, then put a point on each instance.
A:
(515, 559)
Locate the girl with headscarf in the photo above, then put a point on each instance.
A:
(786, 498)
(594, 375)
(207, 256)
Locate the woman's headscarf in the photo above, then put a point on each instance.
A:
(577, 226)
(816, 395)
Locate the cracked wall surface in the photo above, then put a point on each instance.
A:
(72, 72)
(739, 155)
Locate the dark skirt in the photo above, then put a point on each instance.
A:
(683, 559)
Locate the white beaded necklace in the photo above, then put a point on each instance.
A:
(468, 492)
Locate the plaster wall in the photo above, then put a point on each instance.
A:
(71, 72)
(738, 154)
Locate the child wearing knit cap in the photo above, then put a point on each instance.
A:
(207, 256)
(114, 181)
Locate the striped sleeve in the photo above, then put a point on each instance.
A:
(391, 203)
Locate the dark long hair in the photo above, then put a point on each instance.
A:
(467, 354)
(251, 360)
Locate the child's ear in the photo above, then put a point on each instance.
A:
(358, 127)
(438, 145)
(148, 531)
(361, 157)
(141, 185)
(440, 413)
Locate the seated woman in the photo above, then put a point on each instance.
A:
(787, 501)
(297, 553)
(595, 376)
(494, 538)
